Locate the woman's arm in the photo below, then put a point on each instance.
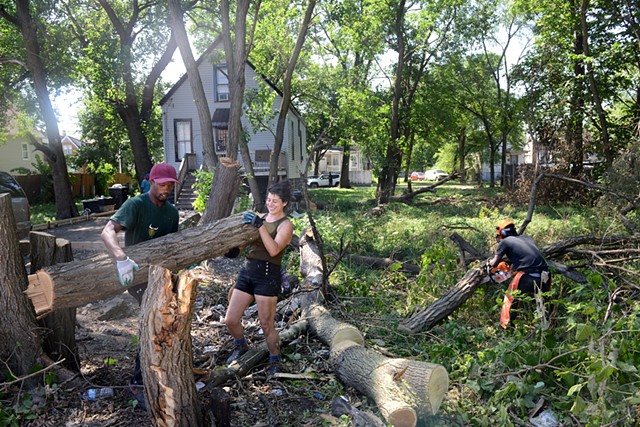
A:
(282, 239)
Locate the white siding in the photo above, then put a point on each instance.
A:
(181, 106)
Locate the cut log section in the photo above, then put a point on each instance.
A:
(405, 391)
(165, 348)
(78, 283)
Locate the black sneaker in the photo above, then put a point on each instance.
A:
(137, 393)
(273, 369)
(239, 351)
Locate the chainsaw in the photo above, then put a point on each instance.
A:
(500, 273)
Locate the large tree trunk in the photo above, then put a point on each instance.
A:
(286, 93)
(197, 89)
(426, 318)
(407, 392)
(166, 351)
(227, 181)
(236, 52)
(59, 340)
(65, 207)
(66, 285)
(19, 340)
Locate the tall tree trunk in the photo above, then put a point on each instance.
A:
(286, 93)
(462, 139)
(236, 54)
(197, 89)
(344, 166)
(258, 197)
(575, 137)
(386, 183)
(593, 87)
(65, 208)
(19, 340)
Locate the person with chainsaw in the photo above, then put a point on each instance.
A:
(530, 268)
(144, 217)
(260, 279)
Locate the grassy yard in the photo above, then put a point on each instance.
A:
(583, 367)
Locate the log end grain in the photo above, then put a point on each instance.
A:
(399, 414)
(40, 291)
(438, 387)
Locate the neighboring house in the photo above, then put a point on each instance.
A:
(15, 150)
(70, 144)
(359, 165)
(181, 126)
(517, 157)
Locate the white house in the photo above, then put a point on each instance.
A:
(16, 151)
(359, 165)
(181, 126)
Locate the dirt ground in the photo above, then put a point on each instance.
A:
(106, 336)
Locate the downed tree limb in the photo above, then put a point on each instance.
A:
(408, 197)
(165, 348)
(381, 263)
(253, 357)
(405, 391)
(427, 317)
(78, 283)
(561, 247)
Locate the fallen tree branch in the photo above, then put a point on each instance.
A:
(66, 285)
(409, 196)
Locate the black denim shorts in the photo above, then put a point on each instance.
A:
(260, 278)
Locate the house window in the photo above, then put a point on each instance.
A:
(183, 133)
(292, 142)
(300, 140)
(222, 137)
(221, 84)
(354, 162)
(66, 149)
(25, 151)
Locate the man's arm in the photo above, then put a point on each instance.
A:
(109, 236)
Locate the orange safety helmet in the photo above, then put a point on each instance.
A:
(504, 228)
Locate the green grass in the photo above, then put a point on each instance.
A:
(42, 213)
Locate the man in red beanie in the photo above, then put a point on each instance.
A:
(144, 217)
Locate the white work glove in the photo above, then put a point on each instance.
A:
(125, 271)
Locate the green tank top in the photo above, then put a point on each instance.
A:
(257, 249)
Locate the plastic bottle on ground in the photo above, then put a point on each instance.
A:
(97, 393)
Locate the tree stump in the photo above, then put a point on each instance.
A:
(19, 340)
(165, 348)
(59, 340)
(226, 177)
(428, 317)
(66, 285)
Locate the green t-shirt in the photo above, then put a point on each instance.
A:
(143, 220)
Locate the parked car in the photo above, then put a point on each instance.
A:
(327, 179)
(19, 203)
(417, 176)
(435, 175)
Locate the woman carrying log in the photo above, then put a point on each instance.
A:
(260, 278)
